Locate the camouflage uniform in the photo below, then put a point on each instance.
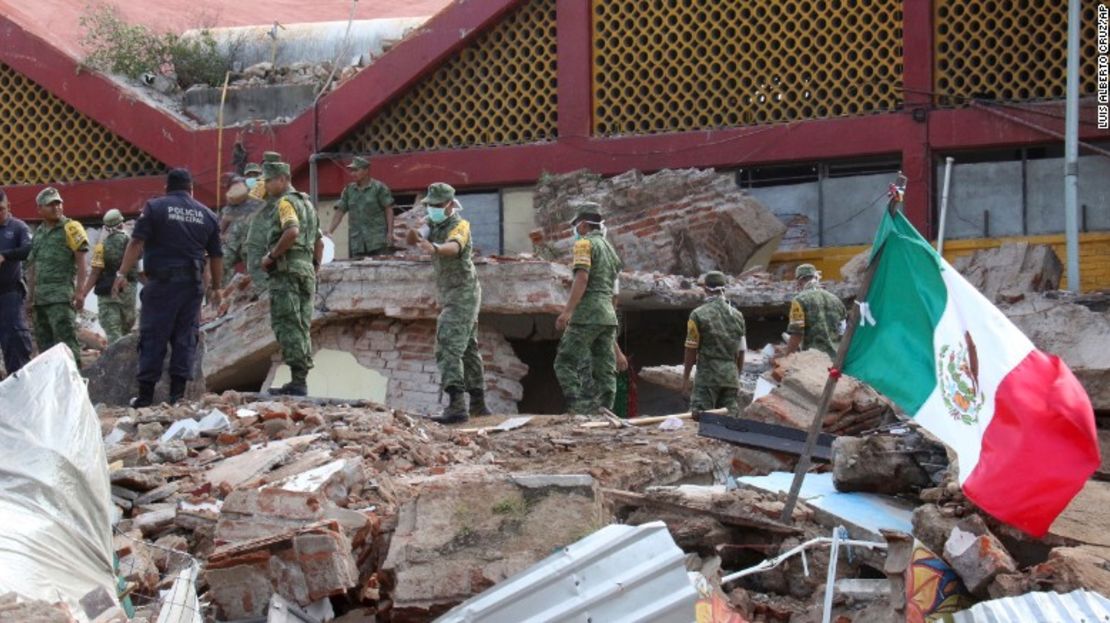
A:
(816, 315)
(292, 282)
(716, 330)
(256, 243)
(588, 343)
(53, 249)
(117, 313)
(366, 208)
(460, 296)
(235, 238)
(259, 190)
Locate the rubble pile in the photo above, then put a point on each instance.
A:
(678, 221)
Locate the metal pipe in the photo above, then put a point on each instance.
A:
(771, 563)
(830, 576)
(944, 203)
(1071, 150)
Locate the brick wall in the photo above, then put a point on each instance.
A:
(1094, 256)
(404, 352)
(681, 222)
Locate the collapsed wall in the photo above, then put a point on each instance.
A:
(680, 221)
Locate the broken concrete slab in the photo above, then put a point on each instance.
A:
(681, 221)
(253, 514)
(1082, 522)
(251, 464)
(1007, 273)
(1075, 333)
(932, 527)
(335, 480)
(473, 527)
(977, 559)
(878, 464)
(111, 379)
(302, 566)
(137, 479)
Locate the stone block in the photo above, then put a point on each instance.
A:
(977, 559)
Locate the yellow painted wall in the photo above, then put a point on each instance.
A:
(1094, 256)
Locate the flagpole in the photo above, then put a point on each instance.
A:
(804, 461)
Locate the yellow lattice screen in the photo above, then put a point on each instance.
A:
(675, 65)
(1008, 49)
(499, 90)
(43, 140)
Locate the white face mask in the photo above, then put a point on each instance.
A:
(578, 236)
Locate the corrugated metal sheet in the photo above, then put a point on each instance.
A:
(619, 574)
(1073, 607)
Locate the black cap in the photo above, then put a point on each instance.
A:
(178, 179)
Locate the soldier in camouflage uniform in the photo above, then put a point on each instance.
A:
(447, 239)
(295, 246)
(371, 207)
(715, 341)
(258, 189)
(117, 313)
(589, 343)
(257, 241)
(235, 220)
(816, 315)
(57, 262)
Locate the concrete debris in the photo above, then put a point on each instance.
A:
(679, 222)
(1008, 273)
(15, 608)
(887, 463)
(111, 377)
(801, 379)
(977, 558)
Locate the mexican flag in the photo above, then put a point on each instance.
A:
(1018, 419)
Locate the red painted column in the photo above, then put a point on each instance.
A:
(574, 22)
(917, 158)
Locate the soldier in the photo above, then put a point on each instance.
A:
(15, 245)
(589, 343)
(117, 313)
(57, 263)
(235, 219)
(176, 235)
(257, 241)
(252, 175)
(258, 189)
(447, 238)
(715, 341)
(816, 316)
(295, 246)
(371, 207)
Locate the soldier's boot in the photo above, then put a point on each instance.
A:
(145, 397)
(298, 386)
(478, 403)
(455, 413)
(177, 389)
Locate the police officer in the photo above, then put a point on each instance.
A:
(57, 263)
(447, 238)
(295, 247)
(371, 207)
(589, 342)
(257, 241)
(15, 246)
(117, 313)
(235, 219)
(176, 235)
(816, 315)
(715, 341)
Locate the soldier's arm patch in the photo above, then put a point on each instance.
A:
(693, 338)
(287, 215)
(76, 239)
(797, 319)
(583, 255)
(460, 234)
(98, 255)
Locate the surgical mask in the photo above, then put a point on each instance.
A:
(251, 182)
(437, 215)
(600, 224)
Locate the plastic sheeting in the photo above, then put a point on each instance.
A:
(56, 542)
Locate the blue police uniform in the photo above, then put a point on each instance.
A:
(15, 338)
(180, 234)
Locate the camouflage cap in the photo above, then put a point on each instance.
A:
(113, 218)
(48, 196)
(805, 271)
(270, 156)
(359, 163)
(253, 168)
(714, 279)
(438, 194)
(586, 211)
(271, 170)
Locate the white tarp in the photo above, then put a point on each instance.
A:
(56, 541)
